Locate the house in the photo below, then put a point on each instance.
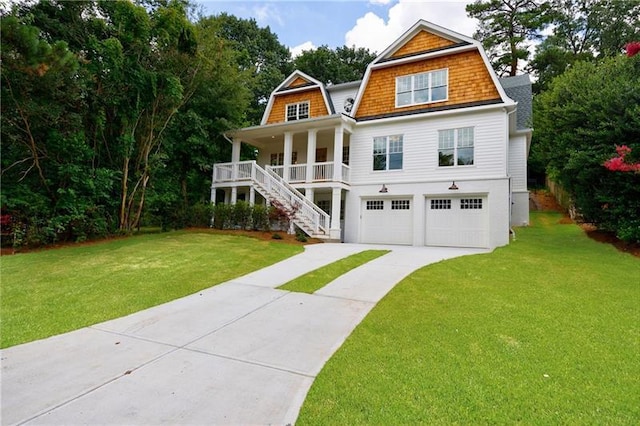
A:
(430, 148)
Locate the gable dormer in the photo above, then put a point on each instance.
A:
(429, 68)
(298, 97)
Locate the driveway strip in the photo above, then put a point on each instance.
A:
(241, 352)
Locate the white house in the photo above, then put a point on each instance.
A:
(430, 148)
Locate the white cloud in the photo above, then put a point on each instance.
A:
(266, 14)
(376, 33)
(297, 50)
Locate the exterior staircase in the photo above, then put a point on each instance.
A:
(312, 220)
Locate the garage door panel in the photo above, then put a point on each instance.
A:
(387, 221)
(458, 222)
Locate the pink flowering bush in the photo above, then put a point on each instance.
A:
(633, 48)
(619, 164)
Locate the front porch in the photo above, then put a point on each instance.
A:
(282, 180)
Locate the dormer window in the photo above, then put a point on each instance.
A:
(298, 111)
(422, 88)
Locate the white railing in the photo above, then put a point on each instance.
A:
(232, 171)
(279, 170)
(297, 173)
(306, 208)
(321, 172)
(346, 173)
(270, 184)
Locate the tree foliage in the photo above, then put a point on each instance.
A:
(334, 66)
(258, 52)
(505, 27)
(105, 104)
(580, 120)
(584, 30)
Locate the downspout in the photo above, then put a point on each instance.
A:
(511, 231)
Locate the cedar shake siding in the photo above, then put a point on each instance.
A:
(317, 106)
(469, 83)
(298, 82)
(423, 41)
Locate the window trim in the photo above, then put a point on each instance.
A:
(387, 153)
(297, 106)
(456, 147)
(429, 88)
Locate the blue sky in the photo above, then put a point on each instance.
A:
(373, 24)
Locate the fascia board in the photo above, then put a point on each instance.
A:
(430, 115)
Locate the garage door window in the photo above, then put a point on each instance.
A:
(471, 203)
(455, 147)
(440, 204)
(400, 204)
(375, 205)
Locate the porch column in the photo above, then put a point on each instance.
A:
(311, 154)
(252, 195)
(235, 157)
(308, 193)
(288, 147)
(234, 194)
(334, 231)
(235, 150)
(227, 198)
(213, 195)
(337, 154)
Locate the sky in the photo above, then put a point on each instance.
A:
(373, 24)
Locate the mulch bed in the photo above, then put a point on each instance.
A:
(540, 200)
(261, 235)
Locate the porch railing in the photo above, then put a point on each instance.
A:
(272, 186)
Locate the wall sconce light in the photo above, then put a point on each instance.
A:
(453, 186)
(384, 189)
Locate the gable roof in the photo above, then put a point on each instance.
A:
(442, 43)
(518, 88)
(297, 81)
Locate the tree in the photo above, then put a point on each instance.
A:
(505, 27)
(258, 52)
(580, 119)
(341, 65)
(584, 30)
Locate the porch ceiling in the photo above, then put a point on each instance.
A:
(262, 136)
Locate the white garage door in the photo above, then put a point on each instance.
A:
(387, 221)
(457, 222)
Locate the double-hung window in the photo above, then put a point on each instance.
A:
(387, 153)
(455, 147)
(421, 88)
(298, 111)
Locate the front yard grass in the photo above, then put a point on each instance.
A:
(53, 291)
(318, 278)
(543, 331)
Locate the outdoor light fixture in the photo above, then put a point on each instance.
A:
(384, 189)
(453, 186)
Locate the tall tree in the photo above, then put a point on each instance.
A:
(506, 27)
(584, 30)
(259, 52)
(334, 66)
(580, 119)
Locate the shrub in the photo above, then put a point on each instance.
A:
(260, 218)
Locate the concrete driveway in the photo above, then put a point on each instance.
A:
(241, 352)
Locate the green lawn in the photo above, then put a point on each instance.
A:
(318, 278)
(53, 291)
(543, 331)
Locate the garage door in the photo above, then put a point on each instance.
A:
(387, 221)
(457, 222)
